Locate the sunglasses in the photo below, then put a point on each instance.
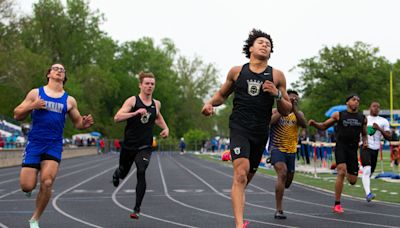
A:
(62, 70)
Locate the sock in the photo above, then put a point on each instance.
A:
(366, 179)
(337, 203)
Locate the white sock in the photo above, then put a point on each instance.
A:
(366, 179)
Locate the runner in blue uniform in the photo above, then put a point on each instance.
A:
(48, 106)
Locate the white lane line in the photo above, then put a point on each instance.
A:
(114, 198)
(3, 226)
(217, 192)
(301, 214)
(61, 169)
(54, 201)
(87, 191)
(313, 189)
(58, 177)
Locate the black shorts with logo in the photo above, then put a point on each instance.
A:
(244, 144)
(346, 153)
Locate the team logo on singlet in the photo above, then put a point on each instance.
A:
(54, 106)
(145, 118)
(236, 150)
(253, 87)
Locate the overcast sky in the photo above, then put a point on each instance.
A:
(215, 30)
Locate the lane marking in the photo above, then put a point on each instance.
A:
(54, 201)
(301, 214)
(212, 188)
(114, 198)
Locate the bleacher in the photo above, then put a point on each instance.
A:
(10, 133)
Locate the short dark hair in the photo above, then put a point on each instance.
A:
(253, 35)
(65, 75)
(290, 91)
(351, 96)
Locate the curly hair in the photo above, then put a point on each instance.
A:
(290, 91)
(253, 35)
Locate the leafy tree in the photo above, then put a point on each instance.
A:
(196, 81)
(195, 137)
(338, 71)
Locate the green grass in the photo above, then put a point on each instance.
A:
(327, 181)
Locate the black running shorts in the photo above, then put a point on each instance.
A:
(247, 145)
(345, 153)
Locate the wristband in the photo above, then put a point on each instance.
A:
(278, 97)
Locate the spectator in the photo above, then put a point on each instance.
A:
(102, 146)
(117, 145)
(182, 145)
(394, 138)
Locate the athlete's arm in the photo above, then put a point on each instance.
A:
(364, 134)
(32, 101)
(279, 86)
(301, 120)
(160, 121)
(125, 113)
(223, 93)
(385, 130)
(80, 122)
(275, 116)
(325, 125)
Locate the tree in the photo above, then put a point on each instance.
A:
(196, 81)
(340, 70)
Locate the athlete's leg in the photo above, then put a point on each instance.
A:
(366, 162)
(281, 172)
(142, 161)
(374, 160)
(341, 173)
(241, 168)
(30, 166)
(352, 179)
(48, 172)
(126, 158)
(290, 165)
(28, 178)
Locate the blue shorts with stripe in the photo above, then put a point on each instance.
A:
(35, 152)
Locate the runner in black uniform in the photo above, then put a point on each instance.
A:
(350, 124)
(140, 112)
(255, 85)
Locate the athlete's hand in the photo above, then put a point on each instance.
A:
(311, 122)
(270, 87)
(87, 121)
(39, 103)
(141, 111)
(365, 144)
(207, 110)
(164, 133)
(294, 102)
(376, 126)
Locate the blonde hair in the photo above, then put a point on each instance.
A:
(143, 75)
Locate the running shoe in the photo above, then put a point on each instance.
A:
(135, 215)
(28, 194)
(115, 179)
(338, 209)
(279, 215)
(245, 223)
(34, 223)
(370, 197)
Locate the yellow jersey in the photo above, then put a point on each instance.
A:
(284, 134)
